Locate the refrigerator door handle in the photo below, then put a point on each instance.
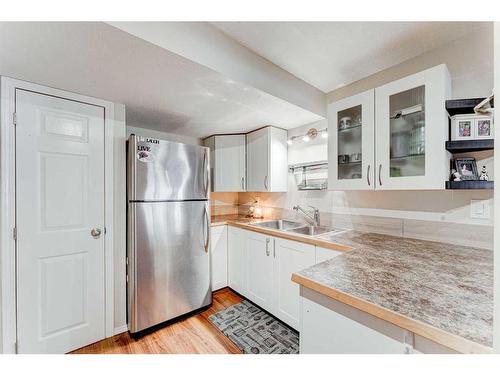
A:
(205, 172)
(207, 229)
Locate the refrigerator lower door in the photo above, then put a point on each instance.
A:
(169, 261)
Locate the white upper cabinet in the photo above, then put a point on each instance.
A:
(351, 127)
(267, 160)
(412, 127)
(392, 137)
(227, 158)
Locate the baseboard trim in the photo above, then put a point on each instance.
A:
(118, 330)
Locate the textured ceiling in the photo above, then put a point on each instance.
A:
(162, 91)
(329, 55)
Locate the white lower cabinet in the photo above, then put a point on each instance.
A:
(218, 257)
(259, 267)
(237, 241)
(331, 327)
(290, 257)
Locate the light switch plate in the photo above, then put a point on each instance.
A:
(479, 209)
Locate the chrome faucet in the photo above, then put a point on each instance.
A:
(314, 217)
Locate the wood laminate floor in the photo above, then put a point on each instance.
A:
(191, 335)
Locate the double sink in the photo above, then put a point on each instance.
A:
(297, 228)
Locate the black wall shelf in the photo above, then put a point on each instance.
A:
(468, 185)
(456, 147)
(463, 106)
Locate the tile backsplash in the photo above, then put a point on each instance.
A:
(224, 203)
(460, 233)
(474, 235)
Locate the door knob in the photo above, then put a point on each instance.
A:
(95, 232)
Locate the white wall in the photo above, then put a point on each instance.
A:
(120, 220)
(496, 315)
(162, 135)
(470, 61)
(314, 150)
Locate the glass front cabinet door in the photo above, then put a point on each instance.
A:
(411, 130)
(351, 124)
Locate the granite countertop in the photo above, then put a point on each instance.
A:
(445, 286)
(438, 287)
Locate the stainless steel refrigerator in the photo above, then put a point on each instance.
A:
(168, 266)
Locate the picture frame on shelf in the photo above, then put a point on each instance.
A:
(483, 128)
(462, 128)
(471, 127)
(467, 168)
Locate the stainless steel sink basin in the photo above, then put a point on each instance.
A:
(295, 227)
(279, 224)
(312, 230)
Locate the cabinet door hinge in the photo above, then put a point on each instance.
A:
(14, 118)
(14, 233)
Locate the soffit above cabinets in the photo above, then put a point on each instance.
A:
(203, 43)
(161, 90)
(329, 55)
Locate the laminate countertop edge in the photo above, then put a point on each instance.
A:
(218, 224)
(437, 335)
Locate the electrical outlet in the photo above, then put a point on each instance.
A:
(479, 209)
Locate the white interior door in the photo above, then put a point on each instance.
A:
(59, 200)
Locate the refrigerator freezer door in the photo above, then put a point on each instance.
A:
(169, 261)
(166, 171)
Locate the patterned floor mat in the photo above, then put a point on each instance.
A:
(254, 331)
